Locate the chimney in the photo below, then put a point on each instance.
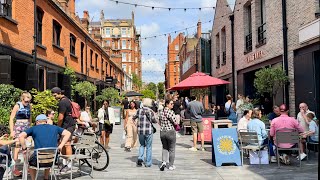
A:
(71, 7)
(199, 29)
(169, 39)
(86, 15)
(85, 20)
(132, 15)
(63, 4)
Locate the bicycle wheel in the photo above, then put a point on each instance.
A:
(100, 158)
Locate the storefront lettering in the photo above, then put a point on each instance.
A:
(254, 56)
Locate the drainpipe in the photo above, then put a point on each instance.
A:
(87, 71)
(231, 17)
(35, 45)
(285, 48)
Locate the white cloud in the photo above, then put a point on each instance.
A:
(152, 65)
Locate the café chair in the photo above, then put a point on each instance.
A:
(45, 156)
(5, 166)
(314, 145)
(249, 141)
(186, 123)
(286, 135)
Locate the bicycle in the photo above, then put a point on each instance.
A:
(99, 152)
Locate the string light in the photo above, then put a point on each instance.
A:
(161, 7)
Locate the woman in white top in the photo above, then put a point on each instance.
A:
(243, 122)
(130, 127)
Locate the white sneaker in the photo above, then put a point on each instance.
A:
(172, 168)
(193, 149)
(273, 159)
(302, 156)
(202, 149)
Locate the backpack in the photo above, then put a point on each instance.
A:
(75, 110)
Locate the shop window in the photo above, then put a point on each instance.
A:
(39, 17)
(72, 44)
(56, 33)
(6, 8)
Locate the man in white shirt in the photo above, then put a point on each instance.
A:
(243, 122)
(302, 116)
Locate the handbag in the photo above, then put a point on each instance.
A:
(176, 126)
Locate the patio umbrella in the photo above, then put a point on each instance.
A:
(198, 80)
(132, 93)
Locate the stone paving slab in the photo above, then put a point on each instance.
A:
(192, 165)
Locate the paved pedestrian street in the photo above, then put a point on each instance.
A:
(193, 165)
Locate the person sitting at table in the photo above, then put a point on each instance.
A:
(255, 124)
(44, 136)
(312, 134)
(5, 149)
(284, 121)
(243, 122)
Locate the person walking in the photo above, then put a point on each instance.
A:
(21, 113)
(130, 127)
(167, 121)
(196, 110)
(145, 117)
(65, 121)
(105, 124)
(239, 103)
(230, 109)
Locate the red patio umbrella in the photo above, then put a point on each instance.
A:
(198, 80)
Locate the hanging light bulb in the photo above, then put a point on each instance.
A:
(169, 9)
(199, 9)
(152, 8)
(117, 2)
(185, 9)
(135, 5)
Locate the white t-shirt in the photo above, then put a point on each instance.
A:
(243, 123)
(85, 116)
(302, 121)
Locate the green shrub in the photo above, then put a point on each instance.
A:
(110, 94)
(42, 101)
(9, 96)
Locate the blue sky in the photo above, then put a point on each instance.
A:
(153, 22)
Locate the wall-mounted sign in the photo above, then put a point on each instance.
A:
(254, 56)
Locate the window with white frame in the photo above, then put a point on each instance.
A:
(136, 59)
(124, 57)
(129, 45)
(136, 70)
(124, 67)
(129, 57)
(124, 44)
(107, 31)
(176, 47)
(123, 32)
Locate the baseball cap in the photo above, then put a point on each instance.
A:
(283, 108)
(41, 117)
(56, 90)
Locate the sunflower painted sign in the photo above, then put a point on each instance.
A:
(225, 147)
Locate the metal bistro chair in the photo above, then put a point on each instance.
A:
(186, 123)
(6, 165)
(45, 156)
(286, 135)
(249, 141)
(314, 144)
(83, 151)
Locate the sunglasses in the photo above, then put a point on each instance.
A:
(26, 102)
(53, 113)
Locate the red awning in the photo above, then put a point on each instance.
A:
(198, 80)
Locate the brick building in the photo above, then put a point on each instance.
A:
(172, 71)
(60, 40)
(258, 42)
(121, 40)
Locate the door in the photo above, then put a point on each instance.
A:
(52, 79)
(5, 69)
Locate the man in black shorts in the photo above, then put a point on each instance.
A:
(65, 119)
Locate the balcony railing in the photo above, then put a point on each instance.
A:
(224, 58)
(249, 42)
(218, 62)
(262, 34)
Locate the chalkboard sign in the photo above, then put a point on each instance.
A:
(225, 147)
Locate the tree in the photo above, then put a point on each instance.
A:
(200, 93)
(85, 89)
(161, 90)
(270, 81)
(148, 94)
(137, 82)
(73, 78)
(110, 94)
